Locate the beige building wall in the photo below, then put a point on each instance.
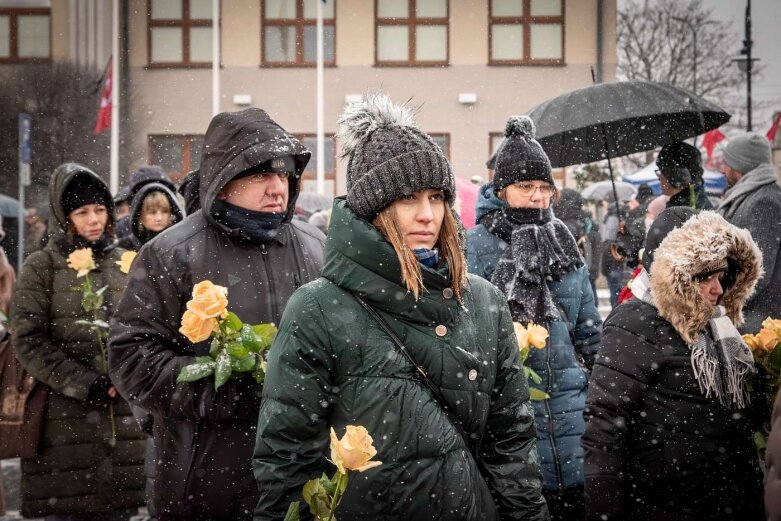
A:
(178, 101)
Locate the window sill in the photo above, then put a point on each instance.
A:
(179, 65)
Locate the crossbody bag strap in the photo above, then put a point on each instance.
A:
(435, 391)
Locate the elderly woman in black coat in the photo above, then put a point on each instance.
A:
(668, 434)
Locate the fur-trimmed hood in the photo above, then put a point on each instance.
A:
(687, 251)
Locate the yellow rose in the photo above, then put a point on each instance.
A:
(522, 334)
(125, 261)
(537, 335)
(354, 450)
(81, 261)
(751, 342)
(197, 328)
(774, 325)
(209, 300)
(767, 340)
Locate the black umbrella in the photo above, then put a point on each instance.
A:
(616, 119)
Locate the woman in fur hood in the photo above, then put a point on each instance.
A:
(668, 427)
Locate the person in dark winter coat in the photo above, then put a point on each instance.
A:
(614, 269)
(680, 176)
(243, 239)
(143, 176)
(753, 202)
(189, 189)
(394, 243)
(533, 259)
(773, 465)
(668, 424)
(569, 209)
(80, 472)
(154, 208)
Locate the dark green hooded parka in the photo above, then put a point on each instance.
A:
(332, 365)
(77, 470)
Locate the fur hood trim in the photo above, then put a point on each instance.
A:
(703, 240)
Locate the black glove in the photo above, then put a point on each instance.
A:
(98, 392)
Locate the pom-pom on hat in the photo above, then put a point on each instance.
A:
(389, 156)
(520, 157)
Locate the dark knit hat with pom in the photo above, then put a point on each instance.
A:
(520, 157)
(389, 156)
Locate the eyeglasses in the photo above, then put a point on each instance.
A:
(528, 189)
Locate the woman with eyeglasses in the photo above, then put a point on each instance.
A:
(531, 256)
(668, 416)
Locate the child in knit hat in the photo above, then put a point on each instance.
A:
(397, 338)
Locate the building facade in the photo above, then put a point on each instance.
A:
(467, 64)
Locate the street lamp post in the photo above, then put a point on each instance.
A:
(747, 64)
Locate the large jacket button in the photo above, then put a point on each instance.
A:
(447, 293)
(440, 330)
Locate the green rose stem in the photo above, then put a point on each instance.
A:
(337, 495)
(93, 301)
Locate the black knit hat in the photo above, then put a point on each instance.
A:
(520, 157)
(644, 193)
(680, 163)
(389, 156)
(666, 222)
(83, 190)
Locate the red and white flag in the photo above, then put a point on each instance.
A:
(771, 134)
(710, 139)
(104, 113)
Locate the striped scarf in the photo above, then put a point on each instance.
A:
(720, 358)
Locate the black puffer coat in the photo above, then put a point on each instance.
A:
(77, 470)
(332, 365)
(657, 448)
(205, 437)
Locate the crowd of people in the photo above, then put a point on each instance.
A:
(398, 320)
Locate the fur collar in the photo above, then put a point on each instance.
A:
(685, 252)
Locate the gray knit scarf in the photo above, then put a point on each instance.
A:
(720, 358)
(749, 183)
(541, 249)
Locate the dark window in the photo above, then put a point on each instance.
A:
(411, 32)
(443, 141)
(180, 32)
(309, 179)
(523, 32)
(289, 32)
(176, 155)
(25, 34)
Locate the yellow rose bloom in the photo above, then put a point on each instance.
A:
(354, 450)
(537, 335)
(767, 339)
(774, 325)
(522, 334)
(197, 328)
(81, 261)
(209, 300)
(125, 261)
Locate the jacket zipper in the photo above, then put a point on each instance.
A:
(551, 431)
(271, 290)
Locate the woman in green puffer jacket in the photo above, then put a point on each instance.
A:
(80, 470)
(394, 242)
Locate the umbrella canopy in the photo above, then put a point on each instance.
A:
(628, 116)
(466, 193)
(313, 202)
(603, 190)
(715, 182)
(9, 207)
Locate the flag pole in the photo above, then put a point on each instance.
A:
(215, 57)
(115, 82)
(320, 118)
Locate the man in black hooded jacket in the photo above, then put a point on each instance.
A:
(243, 239)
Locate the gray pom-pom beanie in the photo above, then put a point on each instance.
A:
(520, 156)
(388, 156)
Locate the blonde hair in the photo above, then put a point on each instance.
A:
(449, 248)
(155, 201)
